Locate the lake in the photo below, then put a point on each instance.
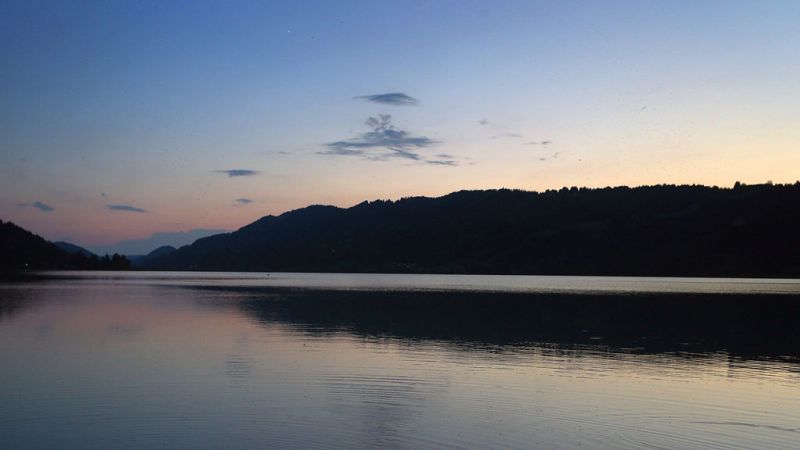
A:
(253, 360)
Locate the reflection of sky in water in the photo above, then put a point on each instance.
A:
(138, 366)
(406, 282)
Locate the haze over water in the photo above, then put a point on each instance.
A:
(213, 361)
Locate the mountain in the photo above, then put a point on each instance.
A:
(661, 230)
(156, 240)
(145, 260)
(72, 248)
(22, 250)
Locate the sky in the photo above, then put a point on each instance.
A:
(120, 119)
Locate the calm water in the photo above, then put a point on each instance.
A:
(146, 360)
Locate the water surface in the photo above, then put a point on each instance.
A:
(241, 361)
(483, 283)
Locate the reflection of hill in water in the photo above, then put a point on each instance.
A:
(746, 326)
(14, 301)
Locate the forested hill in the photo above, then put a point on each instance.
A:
(22, 250)
(652, 230)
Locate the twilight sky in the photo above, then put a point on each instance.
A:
(119, 119)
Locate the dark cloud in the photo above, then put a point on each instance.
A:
(382, 143)
(244, 201)
(128, 208)
(38, 205)
(391, 98)
(540, 143)
(238, 172)
(483, 122)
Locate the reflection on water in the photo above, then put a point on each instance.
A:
(109, 364)
(451, 283)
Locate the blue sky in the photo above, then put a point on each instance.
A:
(129, 118)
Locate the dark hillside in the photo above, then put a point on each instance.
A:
(652, 230)
(22, 250)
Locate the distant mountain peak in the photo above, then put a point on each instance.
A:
(72, 248)
(163, 250)
(156, 240)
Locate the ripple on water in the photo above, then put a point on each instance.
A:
(147, 367)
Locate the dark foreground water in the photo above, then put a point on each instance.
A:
(351, 361)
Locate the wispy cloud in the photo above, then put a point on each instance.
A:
(243, 201)
(391, 98)
(506, 135)
(444, 159)
(238, 172)
(553, 156)
(384, 142)
(442, 162)
(38, 205)
(128, 208)
(500, 132)
(540, 143)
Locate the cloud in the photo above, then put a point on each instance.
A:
(128, 208)
(499, 130)
(238, 172)
(391, 98)
(442, 162)
(553, 156)
(506, 135)
(540, 143)
(38, 205)
(382, 143)
(444, 159)
(244, 201)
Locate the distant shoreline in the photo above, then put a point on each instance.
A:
(38, 274)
